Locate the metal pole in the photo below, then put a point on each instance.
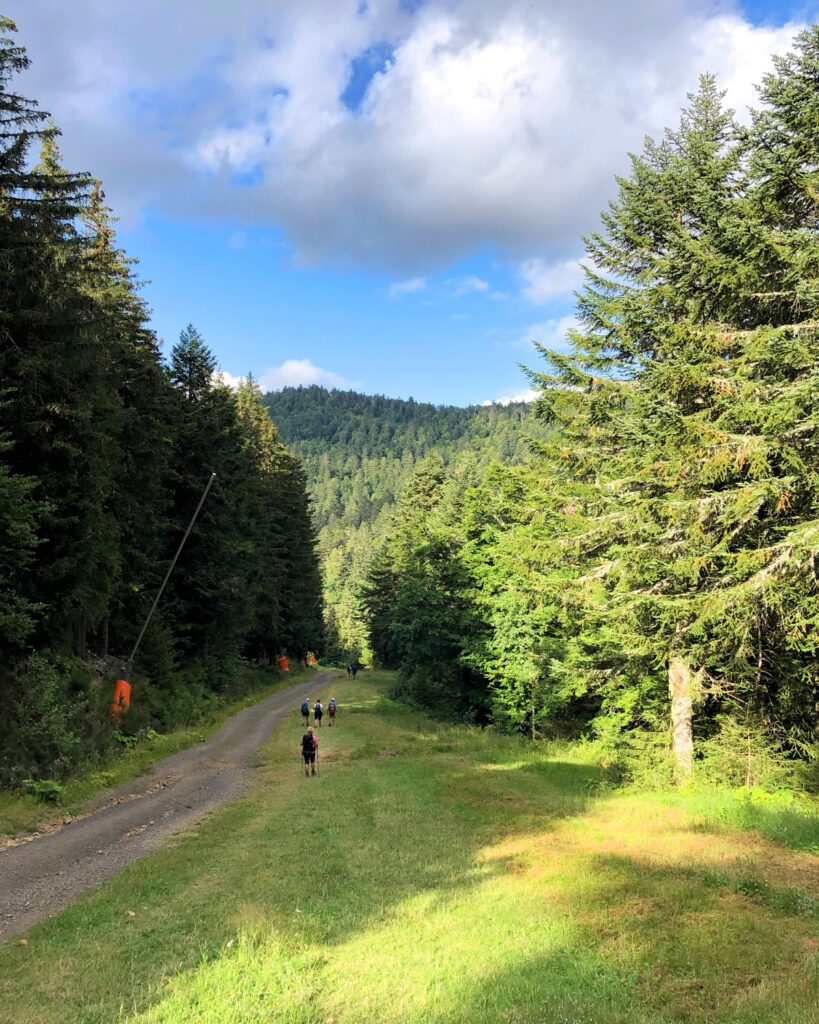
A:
(170, 570)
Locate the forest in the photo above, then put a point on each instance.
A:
(647, 579)
(106, 447)
(630, 560)
(360, 452)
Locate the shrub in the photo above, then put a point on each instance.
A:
(742, 754)
(46, 790)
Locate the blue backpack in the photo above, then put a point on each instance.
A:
(305, 708)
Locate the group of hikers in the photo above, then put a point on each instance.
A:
(309, 741)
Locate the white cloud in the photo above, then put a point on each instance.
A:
(546, 281)
(470, 286)
(290, 374)
(492, 124)
(294, 372)
(408, 287)
(228, 379)
(524, 395)
(549, 333)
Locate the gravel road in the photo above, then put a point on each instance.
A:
(44, 875)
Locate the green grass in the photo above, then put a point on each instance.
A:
(20, 813)
(433, 875)
(785, 817)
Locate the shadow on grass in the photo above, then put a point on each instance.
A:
(390, 850)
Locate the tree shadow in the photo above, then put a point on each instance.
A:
(380, 848)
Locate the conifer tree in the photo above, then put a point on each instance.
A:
(210, 603)
(686, 412)
(19, 515)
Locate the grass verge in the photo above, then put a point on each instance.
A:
(786, 817)
(433, 875)
(20, 813)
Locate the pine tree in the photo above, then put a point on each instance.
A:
(19, 515)
(63, 411)
(684, 410)
(211, 599)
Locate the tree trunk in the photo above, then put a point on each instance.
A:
(80, 637)
(681, 682)
(104, 642)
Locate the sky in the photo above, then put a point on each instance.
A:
(387, 195)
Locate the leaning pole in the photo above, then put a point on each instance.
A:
(122, 689)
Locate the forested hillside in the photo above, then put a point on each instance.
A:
(360, 451)
(652, 573)
(104, 451)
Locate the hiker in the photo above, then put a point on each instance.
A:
(309, 751)
(354, 668)
(349, 671)
(331, 710)
(305, 710)
(318, 712)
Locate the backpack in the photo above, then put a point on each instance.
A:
(308, 743)
(318, 709)
(305, 708)
(331, 707)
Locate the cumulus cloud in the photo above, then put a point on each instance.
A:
(545, 281)
(482, 124)
(228, 379)
(294, 372)
(550, 333)
(524, 395)
(412, 284)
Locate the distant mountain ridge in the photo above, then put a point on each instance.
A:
(360, 450)
(314, 413)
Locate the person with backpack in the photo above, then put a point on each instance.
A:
(349, 671)
(354, 668)
(318, 712)
(305, 710)
(309, 751)
(332, 707)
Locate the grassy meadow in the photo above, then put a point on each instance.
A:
(436, 875)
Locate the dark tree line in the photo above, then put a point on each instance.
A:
(360, 452)
(104, 451)
(650, 578)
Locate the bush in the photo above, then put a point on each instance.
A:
(742, 754)
(46, 790)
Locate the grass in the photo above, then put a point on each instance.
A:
(433, 875)
(785, 817)
(20, 813)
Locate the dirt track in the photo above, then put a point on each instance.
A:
(44, 875)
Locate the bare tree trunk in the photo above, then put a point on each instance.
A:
(80, 637)
(681, 684)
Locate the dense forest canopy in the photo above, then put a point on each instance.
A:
(360, 452)
(652, 571)
(105, 449)
(632, 558)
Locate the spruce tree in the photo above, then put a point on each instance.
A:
(683, 407)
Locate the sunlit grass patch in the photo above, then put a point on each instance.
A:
(432, 875)
(785, 817)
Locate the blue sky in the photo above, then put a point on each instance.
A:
(384, 195)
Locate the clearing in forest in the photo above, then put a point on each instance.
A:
(434, 875)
